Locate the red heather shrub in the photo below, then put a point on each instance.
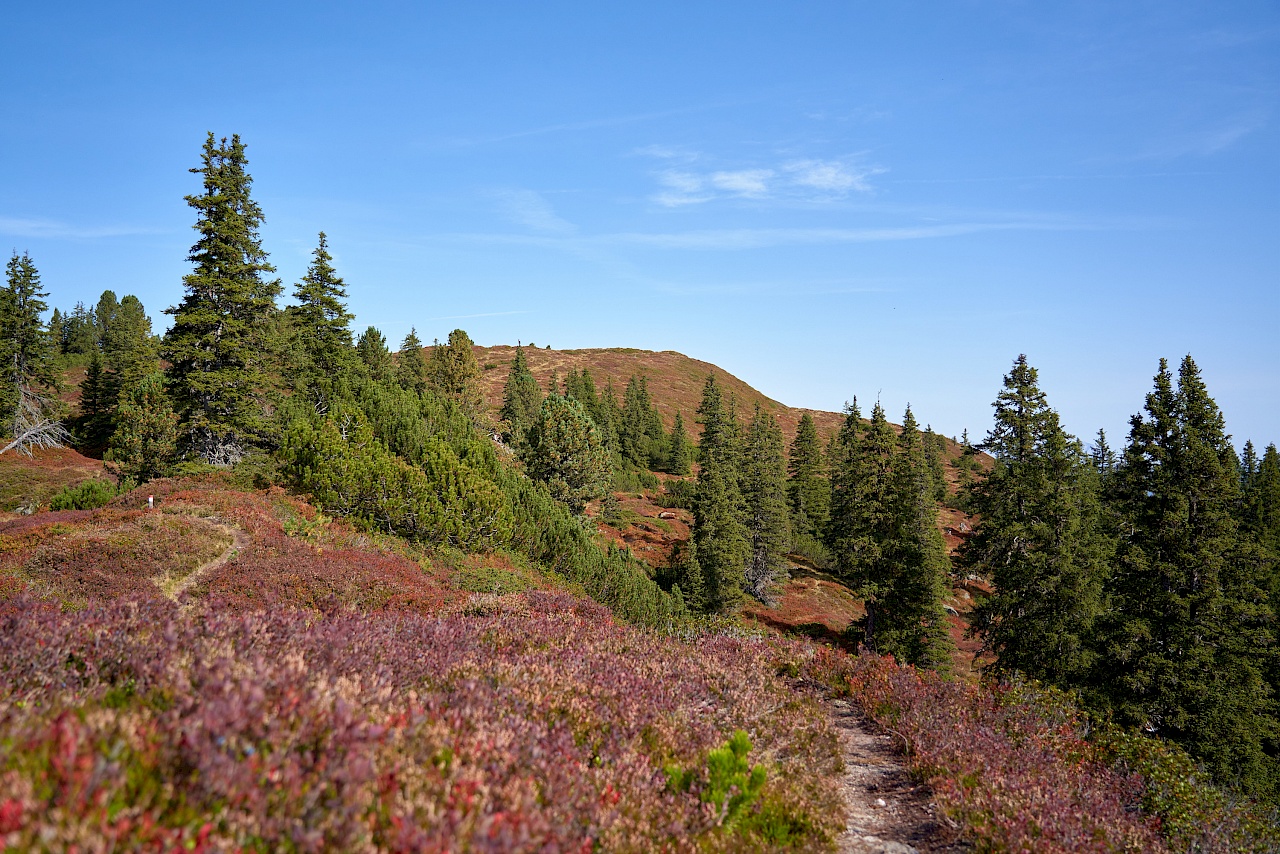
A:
(540, 725)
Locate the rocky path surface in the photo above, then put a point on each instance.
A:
(887, 812)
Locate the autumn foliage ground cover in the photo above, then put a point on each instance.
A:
(1020, 769)
(537, 723)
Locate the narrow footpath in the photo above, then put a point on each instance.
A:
(887, 812)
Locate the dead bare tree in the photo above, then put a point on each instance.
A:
(33, 424)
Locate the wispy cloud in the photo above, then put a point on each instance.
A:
(667, 152)
(1207, 141)
(52, 229)
(813, 180)
(532, 210)
(759, 238)
(832, 176)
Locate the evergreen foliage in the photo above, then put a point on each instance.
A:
(375, 355)
(641, 437)
(322, 321)
(764, 494)
(77, 332)
(565, 453)
(27, 351)
(454, 374)
(145, 441)
(1191, 635)
(351, 473)
(719, 535)
(411, 367)
(1261, 503)
(104, 316)
(217, 347)
(98, 393)
(935, 449)
(680, 451)
(128, 347)
(884, 537)
(913, 623)
(808, 487)
(521, 400)
(1040, 539)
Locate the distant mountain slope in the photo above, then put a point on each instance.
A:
(675, 381)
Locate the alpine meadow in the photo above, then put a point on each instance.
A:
(289, 561)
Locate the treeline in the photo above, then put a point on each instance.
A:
(394, 443)
(1146, 580)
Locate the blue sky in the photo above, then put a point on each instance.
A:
(827, 199)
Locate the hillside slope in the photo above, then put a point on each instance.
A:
(675, 381)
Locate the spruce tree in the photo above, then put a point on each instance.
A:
(1040, 539)
(1191, 634)
(1103, 459)
(913, 622)
(77, 333)
(128, 348)
(764, 494)
(27, 358)
(861, 468)
(808, 488)
(454, 374)
(411, 366)
(218, 345)
(679, 449)
(103, 316)
(98, 396)
(1261, 501)
(374, 354)
(145, 440)
(719, 536)
(633, 434)
(935, 449)
(324, 333)
(521, 400)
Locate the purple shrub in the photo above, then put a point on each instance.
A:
(542, 725)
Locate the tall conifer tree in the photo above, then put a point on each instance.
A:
(27, 358)
(679, 449)
(376, 356)
(411, 367)
(720, 538)
(1192, 634)
(913, 622)
(521, 399)
(454, 374)
(1040, 539)
(808, 488)
(218, 343)
(323, 322)
(764, 494)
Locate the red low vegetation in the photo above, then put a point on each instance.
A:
(1015, 768)
(539, 725)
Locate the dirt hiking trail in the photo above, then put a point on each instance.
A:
(887, 812)
(239, 539)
